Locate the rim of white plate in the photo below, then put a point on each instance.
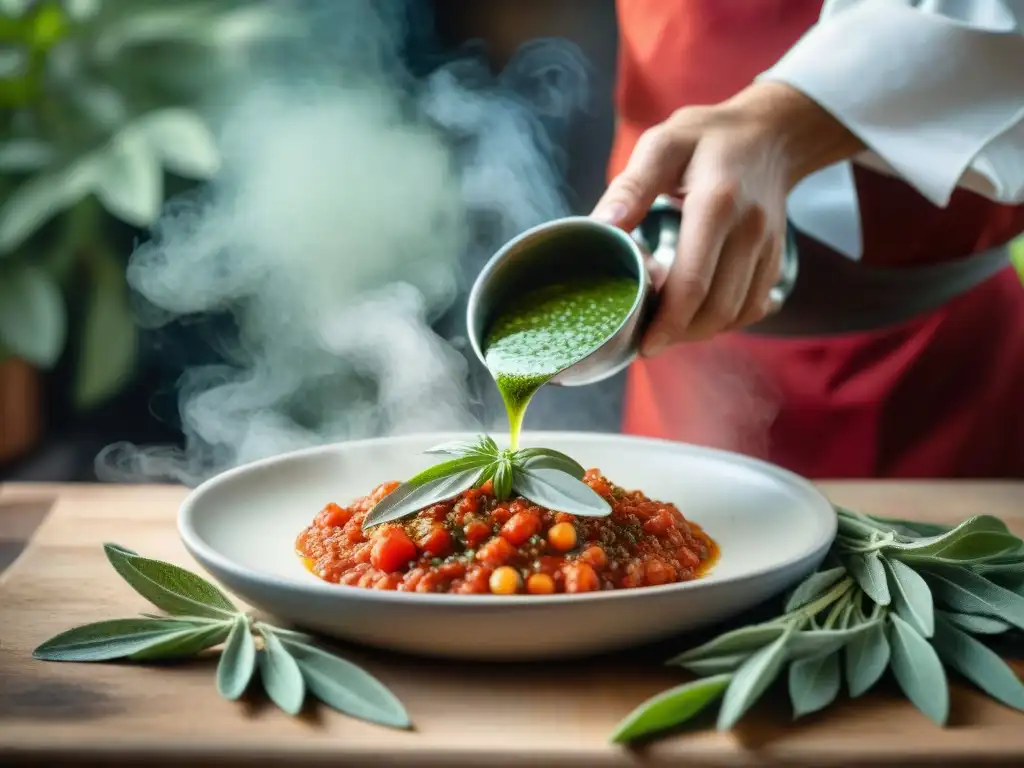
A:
(202, 551)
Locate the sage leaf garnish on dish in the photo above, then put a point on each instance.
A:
(891, 596)
(546, 477)
(290, 665)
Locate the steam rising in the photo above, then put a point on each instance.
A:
(354, 205)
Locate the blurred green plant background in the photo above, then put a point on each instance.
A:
(103, 115)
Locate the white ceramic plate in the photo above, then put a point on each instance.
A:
(773, 528)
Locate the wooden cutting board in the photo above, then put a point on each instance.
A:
(473, 714)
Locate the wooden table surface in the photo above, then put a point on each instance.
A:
(476, 714)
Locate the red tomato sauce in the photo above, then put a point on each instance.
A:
(475, 544)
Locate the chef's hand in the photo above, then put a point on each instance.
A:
(733, 164)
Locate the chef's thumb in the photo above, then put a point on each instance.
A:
(655, 167)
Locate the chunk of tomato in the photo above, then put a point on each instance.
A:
(392, 549)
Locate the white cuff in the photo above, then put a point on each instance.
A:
(937, 100)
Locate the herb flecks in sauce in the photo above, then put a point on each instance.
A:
(549, 330)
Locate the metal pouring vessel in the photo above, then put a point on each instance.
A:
(578, 246)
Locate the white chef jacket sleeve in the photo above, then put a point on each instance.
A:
(933, 88)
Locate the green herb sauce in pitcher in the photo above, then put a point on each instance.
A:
(547, 331)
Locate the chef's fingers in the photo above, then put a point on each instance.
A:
(708, 217)
(769, 266)
(655, 167)
(733, 277)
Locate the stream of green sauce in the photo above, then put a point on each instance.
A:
(548, 330)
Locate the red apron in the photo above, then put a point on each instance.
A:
(937, 396)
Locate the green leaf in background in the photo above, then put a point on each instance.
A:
(670, 708)
(911, 597)
(978, 664)
(108, 343)
(238, 661)
(129, 180)
(32, 315)
(181, 140)
(867, 657)
(814, 683)
(345, 687)
(967, 592)
(976, 625)
(186, 643)
(280, 674)
(41, 198)
(169, 587)
(108, 640)
(869, 573)
(918, 670)
(813, 586)
(25, 155)
(751, 680)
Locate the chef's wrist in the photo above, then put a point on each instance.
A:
(803, 134)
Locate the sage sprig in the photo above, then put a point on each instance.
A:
(201, 617)
(893, 595)
(542, 475)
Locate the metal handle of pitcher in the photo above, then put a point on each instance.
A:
(658, 234)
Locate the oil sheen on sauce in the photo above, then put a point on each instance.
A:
(548, 330)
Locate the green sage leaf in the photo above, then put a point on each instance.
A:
(408, 499)
(867, 657)
(978, 663)
(918, 670)
(869, 573)
(813, 683)
(559, 492)
(813, 587)
(450, 468)
(107, 640)
(280, 674)
(970, 547)
(744, 640)
(670, 708)
(502, 480)
(184, 644)
(911, 597)
(715, 665)
(913, 527)
(751, 680)
(974, 537)
(483, 445)
(966, 592)
(817, 642)
(546, 458)
(976, 625)
(237, 661)
(345, 687)
(169, 587)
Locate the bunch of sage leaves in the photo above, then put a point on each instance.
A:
(542, 475)
(894, 595)
(199, 617)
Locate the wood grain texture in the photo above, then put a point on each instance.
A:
(478, 714)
